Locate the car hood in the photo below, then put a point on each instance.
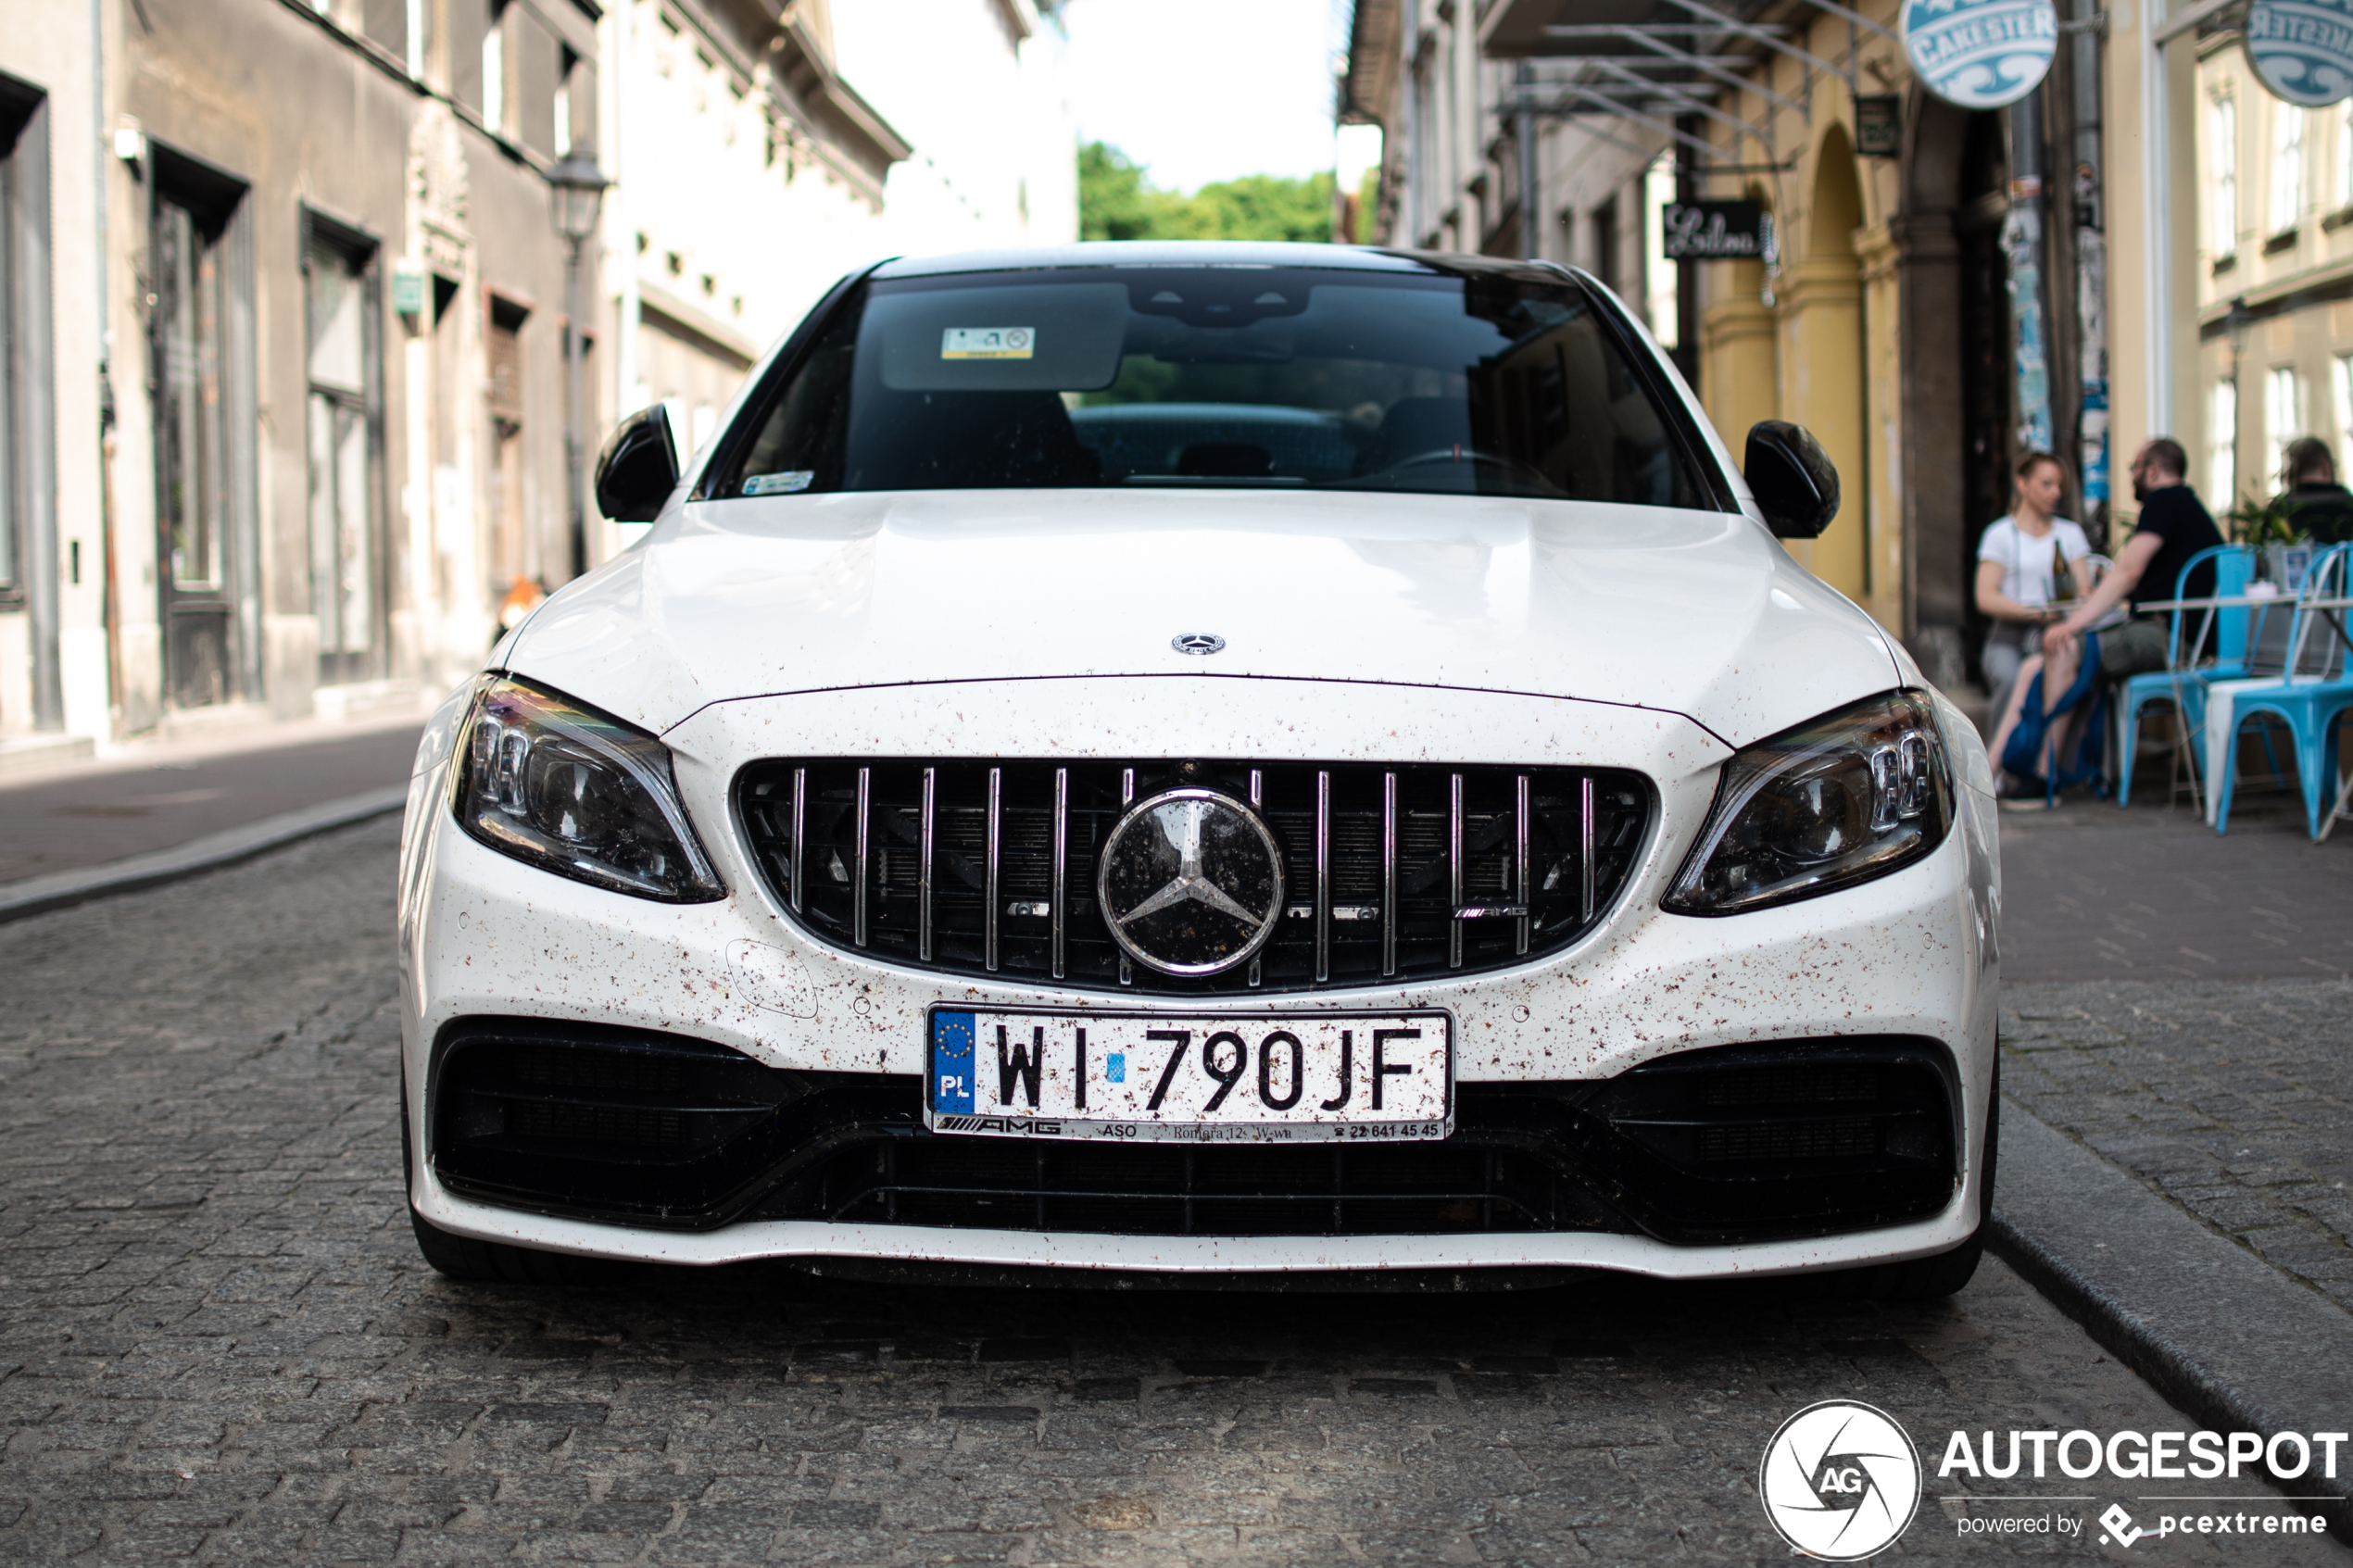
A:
(1696, 613)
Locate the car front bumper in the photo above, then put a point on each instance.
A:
(1911, 955)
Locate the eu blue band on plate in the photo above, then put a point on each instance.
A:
(951, 1061)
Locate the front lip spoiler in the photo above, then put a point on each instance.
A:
(1108, 1255)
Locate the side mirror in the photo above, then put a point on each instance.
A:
(638, 467)
(1792, 478)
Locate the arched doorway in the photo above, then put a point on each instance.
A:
(1822, 359)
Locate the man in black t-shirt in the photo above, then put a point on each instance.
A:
(2174, 525)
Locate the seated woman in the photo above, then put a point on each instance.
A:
(2019, 563)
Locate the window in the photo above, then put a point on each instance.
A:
(2287, 165)
(1606, 243)
(494, 73)
(199, 375)
(345, 574)
(2283, 416)
(2342, 375)
(1659, 279)
(1441, 379)
(2222, 176)
(2221, 446)
(2345, 156)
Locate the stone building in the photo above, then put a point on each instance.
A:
(286, 408)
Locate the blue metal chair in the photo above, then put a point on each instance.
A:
(2233, 565)
(2309, 705)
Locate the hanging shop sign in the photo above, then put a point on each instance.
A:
(1980, 54)
(1879, 125)
(1728, 230)
(2302, 49)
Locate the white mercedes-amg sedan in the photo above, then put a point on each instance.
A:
(1205, 764)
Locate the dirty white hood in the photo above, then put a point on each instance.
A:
(1697, 613)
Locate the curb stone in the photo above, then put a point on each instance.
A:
(39, 895)
(2218, 1332)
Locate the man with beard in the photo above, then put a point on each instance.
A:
(2174, 525)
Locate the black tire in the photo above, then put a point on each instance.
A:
(492, 1263)
(1933, 1279)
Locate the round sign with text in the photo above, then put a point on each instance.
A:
(1840, 1480)
(2302, 50)
(1980, 54)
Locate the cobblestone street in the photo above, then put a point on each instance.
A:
(220, 1344)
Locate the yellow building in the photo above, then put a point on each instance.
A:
(1881, 319)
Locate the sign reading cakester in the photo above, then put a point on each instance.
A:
(1980, 54)
(2302, 50)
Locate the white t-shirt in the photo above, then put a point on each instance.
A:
(2026, 561)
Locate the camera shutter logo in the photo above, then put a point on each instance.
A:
(1840, 1480)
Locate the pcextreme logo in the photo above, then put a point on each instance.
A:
(1840, 1480)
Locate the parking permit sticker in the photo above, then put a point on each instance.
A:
(988, 343)
(791, 483)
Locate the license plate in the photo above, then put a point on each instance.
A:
(1217, 1078)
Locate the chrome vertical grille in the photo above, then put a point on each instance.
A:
(1397, 874)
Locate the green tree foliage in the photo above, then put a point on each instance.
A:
(1117, 202)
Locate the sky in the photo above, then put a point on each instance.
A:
(1205, 89)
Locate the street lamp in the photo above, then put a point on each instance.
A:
(576, 188)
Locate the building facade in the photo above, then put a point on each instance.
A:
(1931, 301)
(2274, 277)
(286, 414)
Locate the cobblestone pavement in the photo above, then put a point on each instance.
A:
(217, 1343)
(2230, 1099)
(2090, 892)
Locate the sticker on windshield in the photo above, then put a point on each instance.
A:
(988, 343)
(791, 483)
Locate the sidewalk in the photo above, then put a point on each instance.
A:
(2176, 1020)
(94, 813)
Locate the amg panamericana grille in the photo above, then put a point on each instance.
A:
(1391, 873)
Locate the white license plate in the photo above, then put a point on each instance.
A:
(1216, 1078)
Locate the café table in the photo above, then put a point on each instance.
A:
(2332, 610)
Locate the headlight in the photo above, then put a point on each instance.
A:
(1858, 795)
(574, 791)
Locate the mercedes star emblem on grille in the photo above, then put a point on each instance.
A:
(1203, 643)
(1191, 882)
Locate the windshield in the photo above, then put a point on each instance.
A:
(1220, 377)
